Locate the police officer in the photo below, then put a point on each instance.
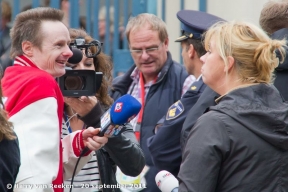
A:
(165, 145)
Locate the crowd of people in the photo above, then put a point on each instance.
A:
(217, 123)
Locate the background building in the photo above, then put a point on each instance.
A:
(115, 18)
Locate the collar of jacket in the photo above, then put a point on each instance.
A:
(260, 109)
(122, 83)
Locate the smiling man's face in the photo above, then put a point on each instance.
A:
(55, 50)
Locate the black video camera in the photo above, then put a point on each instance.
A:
(77, 83)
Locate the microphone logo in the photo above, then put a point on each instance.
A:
(118, 107)
(158, 183)
(166, 175)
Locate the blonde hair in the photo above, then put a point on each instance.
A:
(102, 16)
(274, 16)
(156, 24)
(252, 49)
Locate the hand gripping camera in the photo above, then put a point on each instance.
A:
(76, 83)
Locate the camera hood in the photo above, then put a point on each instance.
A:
(77, 83)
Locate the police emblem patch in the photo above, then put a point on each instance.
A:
(175, 110)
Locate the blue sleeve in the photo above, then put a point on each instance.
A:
(165, 147)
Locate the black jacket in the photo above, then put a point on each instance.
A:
(241, 144)
(122, 151)
(165, 145)
(9, 163)
(166, 91)
(281, 72)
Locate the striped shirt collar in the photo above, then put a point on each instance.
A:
(23, 60)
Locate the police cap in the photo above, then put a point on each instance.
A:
(195, 23)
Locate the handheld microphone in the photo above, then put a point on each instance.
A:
(123, 110)
(76, 57)
(166, 182)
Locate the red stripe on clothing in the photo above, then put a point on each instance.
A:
(24, 84)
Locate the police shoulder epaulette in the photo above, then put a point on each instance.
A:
(196, 86)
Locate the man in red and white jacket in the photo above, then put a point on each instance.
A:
(40, 49)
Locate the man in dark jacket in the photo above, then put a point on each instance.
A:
(164, 146)
(274, 20)
(155, 80)
(281, 72)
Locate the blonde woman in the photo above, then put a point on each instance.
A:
(241, 144)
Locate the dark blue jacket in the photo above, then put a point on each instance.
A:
(281, 72)
(165, 145)
(5, 45)
(166, 91)
(206, 100)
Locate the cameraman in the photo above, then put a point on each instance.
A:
(123, 150)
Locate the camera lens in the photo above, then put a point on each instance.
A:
(74, 83)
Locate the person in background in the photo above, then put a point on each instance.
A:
(274, 21)
(5, 41)
(164, 146)
(240, 144)
(122, 151)
(34, 102)
(155, 80)
(102, 22)
(64, 5)
(9, 150)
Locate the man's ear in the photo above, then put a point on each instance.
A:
(231, 64)
(191, 51)
(27, 48)
(166, 43)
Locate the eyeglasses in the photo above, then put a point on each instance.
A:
(139, 52)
